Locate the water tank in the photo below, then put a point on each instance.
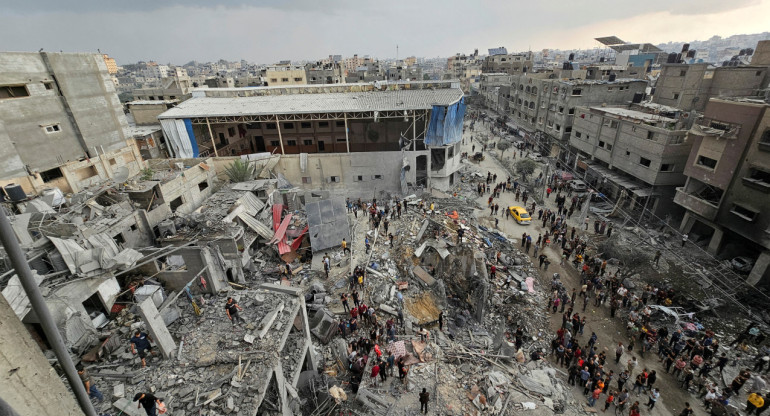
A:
(685, 47)
(166, 228)
(637, 97)
(566, 65)
(691, 53)
(678, 58)
(601, 59)
(15, 193)
(571, 57)
(671, 59)
(613, 77)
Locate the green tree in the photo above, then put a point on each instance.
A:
(525, 167)
(240, 171)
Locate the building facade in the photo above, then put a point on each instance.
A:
(276, 75)
(728, 182)
(56, 108)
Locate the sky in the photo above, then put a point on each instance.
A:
(267, 31)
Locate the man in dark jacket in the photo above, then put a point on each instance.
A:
(424, 399)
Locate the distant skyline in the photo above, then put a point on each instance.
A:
(179, 31)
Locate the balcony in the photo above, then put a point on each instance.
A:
(695, 204)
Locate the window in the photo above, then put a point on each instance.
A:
(667, 167)
(284, 79)
(558, 127)
(578, 134)
(53, 128)
(321, 146)
(609, 146)
(340, 124)
(298, 79)
(13, 91)
(568, 129)
(273, 79)
(341, 140)
(376, 177)
(253, 126)
(601, 143)
(359, 178)
(275, 143)
(49, 175)
(288, 126)
(644, 162)
(758, 73)
(270, 126)
(571, 111)
(202, 185)
(291, 142)
(307, 180)
(561, 110)
(650, 135)
(323, 124)
(676, 96)
(307, 142)
(706, 162)
(48, 85)
(577, 92)
(334, 179)
(610, 88)
(745, 213)
(628, 153)
(682, 73)
(306, 125)
(231, 131)
(758, 179)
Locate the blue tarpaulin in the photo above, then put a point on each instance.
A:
(446, 124)
(191, 135)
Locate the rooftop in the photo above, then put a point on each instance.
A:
(634, 115)
(314, 103)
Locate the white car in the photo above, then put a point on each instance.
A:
(535, 156)
(578, 186)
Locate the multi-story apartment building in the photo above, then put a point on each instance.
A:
(285, 75)
(636, 149)
(112, 66)
(545, 102)
(153, 70)
(324, 73)
(505, 63)
(690, 86)
(61, 123)
(728, 182)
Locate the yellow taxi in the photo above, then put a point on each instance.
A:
(520, 215)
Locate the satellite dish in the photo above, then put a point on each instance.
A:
(120, 175)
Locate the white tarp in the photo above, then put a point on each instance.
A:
(176, 135)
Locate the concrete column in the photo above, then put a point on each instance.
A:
(280, 137)
(716, 241)
(760, 268)
(215, 275)
(211, 135)
(347, 140)
(686, 223)
(157, 327)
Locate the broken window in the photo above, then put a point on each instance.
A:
(644, 162)
(376, 177)
(758, 179)
(176, 203)
(667, 167)
(706, 162)
(13, 91)
(51, 174)
(746, 213)
(650, 135)
(202, 186)
(437, 158)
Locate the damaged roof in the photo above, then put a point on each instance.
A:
(314, 103)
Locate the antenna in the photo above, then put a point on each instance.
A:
(397, 52)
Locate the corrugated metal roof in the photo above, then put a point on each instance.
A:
(314, 103)
(260, 228)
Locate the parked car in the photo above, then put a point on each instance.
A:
(535, 156)
(742, 264)
(578, 186)
(520, 214)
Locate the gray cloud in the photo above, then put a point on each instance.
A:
(178, 31)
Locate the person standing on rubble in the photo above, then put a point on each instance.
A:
(366, 243)
(148, 401)
(140, 345)
(344, 300)
(232, 308)
(88, 382)
(424, 400)
(345, 246)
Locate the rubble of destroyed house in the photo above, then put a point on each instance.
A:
(162, 252)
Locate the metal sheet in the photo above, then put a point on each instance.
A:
(263, 230)
(327, 223)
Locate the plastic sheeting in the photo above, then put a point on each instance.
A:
(180, 137)
(446, 124)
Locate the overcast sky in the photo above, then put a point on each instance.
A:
(178, 31)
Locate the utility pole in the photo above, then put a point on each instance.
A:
(19, 262)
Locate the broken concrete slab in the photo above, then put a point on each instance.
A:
(423, 275)
(267, 321)
(157, 328)
(128, 408)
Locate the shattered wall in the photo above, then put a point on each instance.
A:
(27, 381)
